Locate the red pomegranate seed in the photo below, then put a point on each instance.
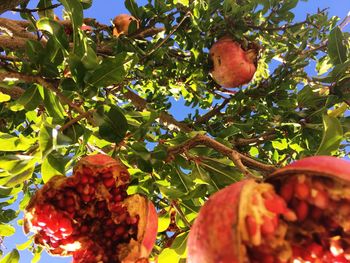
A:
(275, 204)
(287, 190)
(302, 210)
(251, 225)
(109, 182)
(302, 191)
(268, 226)
(84, 179)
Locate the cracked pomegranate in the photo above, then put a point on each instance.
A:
(300, 214)
(121, 24)
(232, 66)
(91, 217)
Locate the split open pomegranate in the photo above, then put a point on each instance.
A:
(91, 217)
(232, 65)
(300, 214)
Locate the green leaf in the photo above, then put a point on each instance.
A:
(20, 178)
(112, 123)
(168, 256)
(332, 136)
(15, 164)
(111, 70)
(183, 2)
(163, 222)
(53, 107)
(179, 243)
(12, 257)
(10, 143)
(4, 97)
(24, 245)
(337, 50)
(131, 5)
(53, 164)
(50, 139)
(47, 12)
(6, 230)
(55, 29)
(75, 13)
(31, 98)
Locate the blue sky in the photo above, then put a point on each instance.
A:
(104, 11)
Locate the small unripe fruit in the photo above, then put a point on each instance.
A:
(232, 66)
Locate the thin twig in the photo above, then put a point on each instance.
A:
(178, 210)
(188, 14)
(206, 117)
(28, 10)
(11, 58)
(86, 114)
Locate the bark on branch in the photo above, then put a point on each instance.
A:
(46, 84)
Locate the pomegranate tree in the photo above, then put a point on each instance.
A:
(91, 217)
(301, 213)
(121, 24)
(232, 65)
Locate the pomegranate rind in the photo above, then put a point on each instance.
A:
(214, 235)
(328, 166)
(147, 229)
(232, 66)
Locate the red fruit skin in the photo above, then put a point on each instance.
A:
(232, 65)
(213, 237)
(121, 24)
(151, 231)
(322, 165)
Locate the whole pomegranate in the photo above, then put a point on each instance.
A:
(300, 214)
(91, 217)
(232, 66)
(121, 24)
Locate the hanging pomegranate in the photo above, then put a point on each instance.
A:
(121, 24)
(91, 217)
(301, 213)
(232, 65)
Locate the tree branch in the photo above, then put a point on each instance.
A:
(6, 5)
(256, 140)
(46, 84)
(240, 160)
(27, 10)
(12, 28)
(14, 92)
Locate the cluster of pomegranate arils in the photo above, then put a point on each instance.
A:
(91, 217)
(300, 214)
